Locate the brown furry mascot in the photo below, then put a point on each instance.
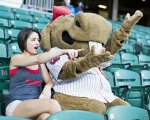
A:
(80, 83)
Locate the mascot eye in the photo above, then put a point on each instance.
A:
(102, 44)
(78, 24)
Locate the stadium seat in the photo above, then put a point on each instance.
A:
(116, 63)
(4, 23)
(41, 20)
(127, 48)
(144, 60)
(127, 113)
(18, 24)
(3, 36)
(13, 48)
(110, 77)
(75, 115)
(12, 118)
(128, 58)
(49, 15)
(7, 15)
(4, 86)
(132, 61)
(3, 50)
(23, 17)
(130, 86)
(13, 34)
(20, 11)
(145, 79)
(35, 13)
(4, 8)
(38, 26)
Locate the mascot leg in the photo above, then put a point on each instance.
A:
(79, 103)
(116, 102)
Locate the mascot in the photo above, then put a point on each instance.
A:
(80, 84)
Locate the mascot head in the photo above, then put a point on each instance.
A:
(74, 32)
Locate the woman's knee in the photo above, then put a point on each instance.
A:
(53, 106)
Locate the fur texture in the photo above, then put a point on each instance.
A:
(76, 33)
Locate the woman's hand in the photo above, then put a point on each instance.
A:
(72, 52)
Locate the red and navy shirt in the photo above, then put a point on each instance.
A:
(25, 83)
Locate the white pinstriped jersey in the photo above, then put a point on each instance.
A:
(91, 84)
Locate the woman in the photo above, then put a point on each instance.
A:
(27, 71)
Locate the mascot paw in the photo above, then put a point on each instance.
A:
(130, 21)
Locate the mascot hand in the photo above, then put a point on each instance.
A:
(94, 59)
(119, 36)
(130, 21)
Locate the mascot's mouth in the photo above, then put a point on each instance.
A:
(66, 38)
(98, 46)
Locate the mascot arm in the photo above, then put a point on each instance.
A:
(119, 36)
(74, 68)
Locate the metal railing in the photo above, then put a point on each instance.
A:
(41, 5)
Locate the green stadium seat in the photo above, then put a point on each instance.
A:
(116, 63)
(23, 17)
(49, 15)
(4, 23)
(41, 20)
(144, 60)
(110, 78)
(130, 86)
(20, 11)
(4, 61)
(131, 41)
(13, 34)
(3, 50)
(36, 13)
(4, 8)
(4, 86)
(3, 36)
(13, 48)
(17, 24)
(132, 91)
(145, 78)
(7, 15)
(38, 26)
(12, 118)
(127, 113)
(128, 58)
(132, 61)
(75, 115)
(127, 48)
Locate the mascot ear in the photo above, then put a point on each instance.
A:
(45, 38)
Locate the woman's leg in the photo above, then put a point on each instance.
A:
(36, 107)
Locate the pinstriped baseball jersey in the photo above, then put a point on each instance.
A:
(91, 84)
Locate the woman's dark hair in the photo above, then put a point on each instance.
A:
(24, 35)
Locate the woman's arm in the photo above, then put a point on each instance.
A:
(46, 92)
(22, 60)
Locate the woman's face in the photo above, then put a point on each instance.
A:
(33, 43)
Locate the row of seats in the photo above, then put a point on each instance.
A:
(113, 113)
(18, 24)
(131, 86)
(24, 14)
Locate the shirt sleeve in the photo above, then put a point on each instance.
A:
(54, 66)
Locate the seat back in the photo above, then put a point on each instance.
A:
(144, 59)
(4, 86)
(129, 58)
(130, 86)
(127, 113)
(75, 115)
(127, 77)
